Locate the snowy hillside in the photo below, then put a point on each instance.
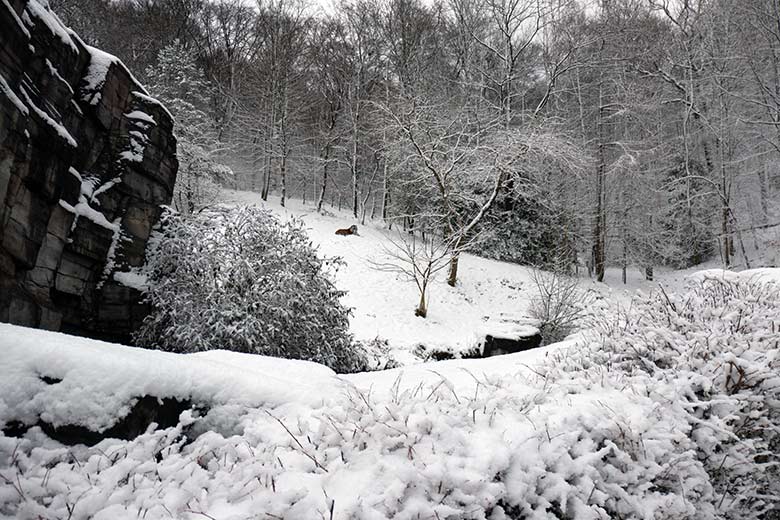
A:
(384, 303)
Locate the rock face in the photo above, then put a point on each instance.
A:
(87, 159)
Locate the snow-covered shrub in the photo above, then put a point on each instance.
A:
(711, 357)
(242, 280)
(560, 305)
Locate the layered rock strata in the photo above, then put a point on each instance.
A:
(87, 164)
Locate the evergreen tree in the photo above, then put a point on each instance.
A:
(179, 83)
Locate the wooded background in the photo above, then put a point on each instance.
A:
(549, 132)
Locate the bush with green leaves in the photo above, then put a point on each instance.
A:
(243, 280)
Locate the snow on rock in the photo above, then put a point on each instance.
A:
(6, 89)
(144, 96)
(45, 118)
(56, 74)
(133, 279)
(12, 13)
(141, 116)
(98, 381)
(40, 10)
(83, 209)
(95, 77)
(57, 127)
(111, 255)
(504, 330)
(139, 138)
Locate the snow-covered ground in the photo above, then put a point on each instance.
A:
(576, 430)
(550, 433)
(384, 303)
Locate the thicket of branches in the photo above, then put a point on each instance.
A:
(608, 133)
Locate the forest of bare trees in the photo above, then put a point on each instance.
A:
(561, 133)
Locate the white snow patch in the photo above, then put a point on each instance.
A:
(104, 188)
(133, 279)
(54, 72)
(149, 99)
(15, 18)
(132, 156)
(83, 209)
(10, 94)
(141, 116)
(40, 10)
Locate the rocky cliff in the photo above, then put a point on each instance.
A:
(87, 159)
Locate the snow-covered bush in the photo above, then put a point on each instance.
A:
(560, 305)
(242, 280)
(711, 358)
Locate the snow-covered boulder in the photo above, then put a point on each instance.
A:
(80, 390)
(508, 335)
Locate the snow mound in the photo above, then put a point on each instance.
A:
(763, 274)
(97, 382)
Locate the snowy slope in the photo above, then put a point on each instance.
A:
(384, 303)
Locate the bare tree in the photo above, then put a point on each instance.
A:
(418, 258)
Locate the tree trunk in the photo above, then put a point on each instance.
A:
(763, 184)
(625, 262)
(283, 175)
(285, 147)
(324, 179)
(452, 275)
(355, 142)
(599, 224)
(385, 194)
(422, 307)
(726, 237)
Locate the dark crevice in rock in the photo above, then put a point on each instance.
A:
(50, 380)
(496, 346)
